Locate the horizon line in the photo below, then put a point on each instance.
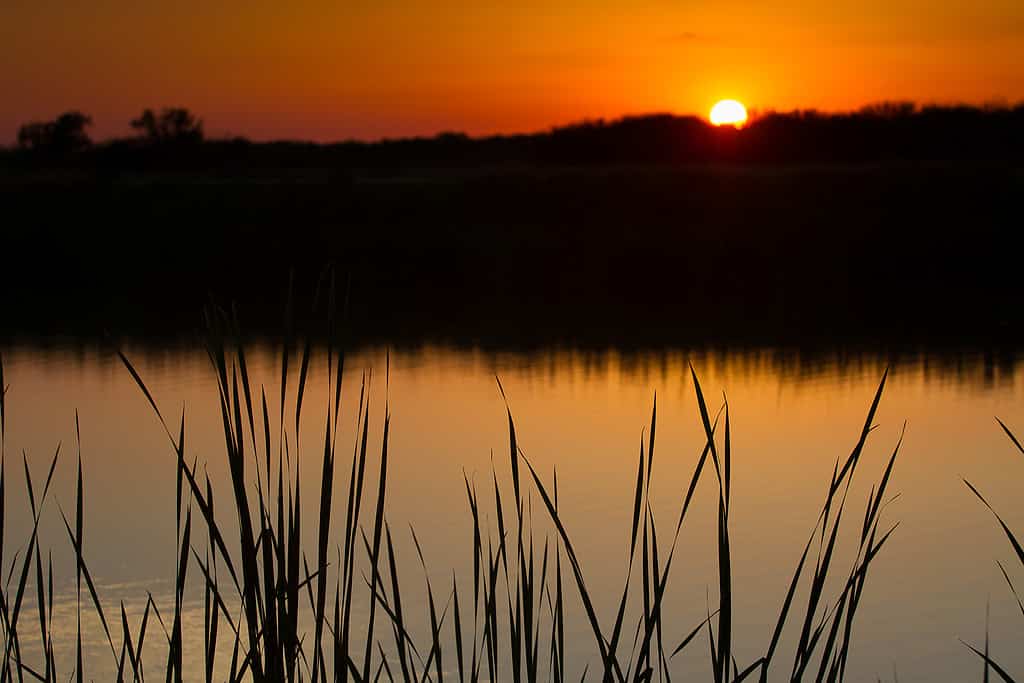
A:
(755, 112)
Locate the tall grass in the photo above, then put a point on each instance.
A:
(984, 654)
(274, 610)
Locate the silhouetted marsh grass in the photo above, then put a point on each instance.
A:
(1018, 550)
(273, 610)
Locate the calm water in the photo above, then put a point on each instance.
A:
(584, 413)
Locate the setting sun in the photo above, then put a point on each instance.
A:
(728, 113)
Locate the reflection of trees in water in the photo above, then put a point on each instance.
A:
(983, 369)
(974, 369)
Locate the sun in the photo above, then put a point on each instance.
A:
(728, 113)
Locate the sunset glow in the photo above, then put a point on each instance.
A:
(323, 70)
(728, 113)
(478, 256)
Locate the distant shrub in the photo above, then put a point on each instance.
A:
(889, 110)
(173, 124)
(63, 135)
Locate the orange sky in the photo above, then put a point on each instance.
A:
(332, 69)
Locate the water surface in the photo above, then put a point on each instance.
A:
(584, 413)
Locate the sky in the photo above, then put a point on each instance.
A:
(339, 69)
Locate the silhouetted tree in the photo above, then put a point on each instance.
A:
(889, 109)
(173, 124)
(63, 135)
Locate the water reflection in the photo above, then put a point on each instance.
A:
(970, 367)
(795, 411)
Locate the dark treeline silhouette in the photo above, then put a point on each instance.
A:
(878, 133)
(65, 142)
(62, 136)
(172, 125)
(604, 233)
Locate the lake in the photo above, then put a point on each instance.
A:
(584, 413)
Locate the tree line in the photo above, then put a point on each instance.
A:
(890, 131)
(68, 132)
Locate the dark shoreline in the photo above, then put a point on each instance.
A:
(662, 256)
